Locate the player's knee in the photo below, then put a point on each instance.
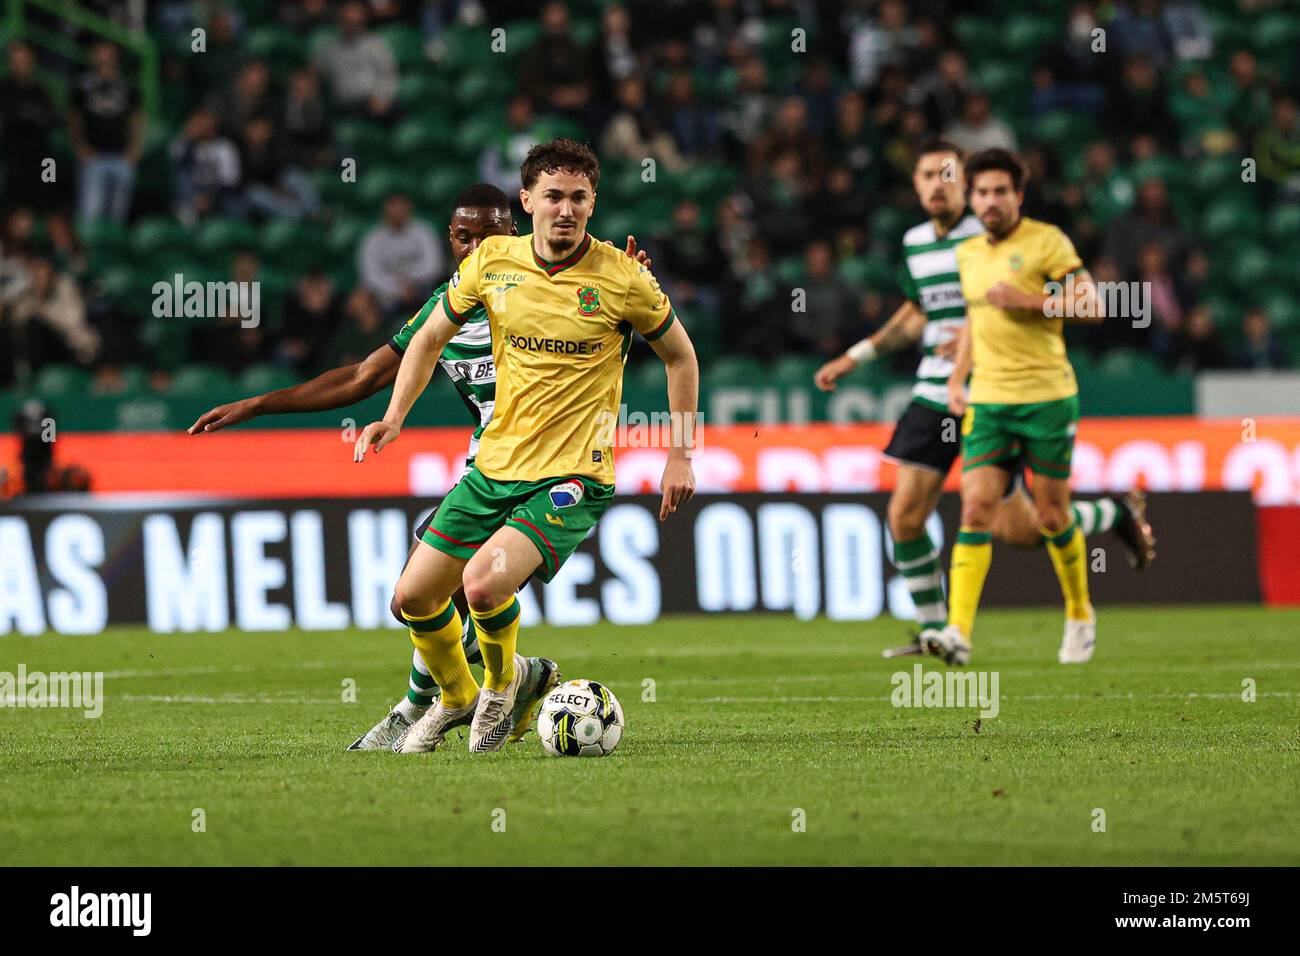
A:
(396, 607)
(1052, 516)
(483, 588)
(906, 521)
(977, 514)
(410, 600)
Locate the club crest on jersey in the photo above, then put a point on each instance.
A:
(1016, 262)
(566, 494)
(588, 300)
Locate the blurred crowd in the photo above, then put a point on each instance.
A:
(821, 142)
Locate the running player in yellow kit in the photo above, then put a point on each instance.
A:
(1020, 279)
(562, 309)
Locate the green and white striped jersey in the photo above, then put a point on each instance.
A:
(929, 278)
(467, 360)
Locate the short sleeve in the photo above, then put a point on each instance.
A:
(1059, 256)
(646, 307)
(402, 339)
(463, 291)
(906, 284)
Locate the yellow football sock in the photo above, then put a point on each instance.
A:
(1069, 555)
(971, 557)
(437, 637)
(498, 632)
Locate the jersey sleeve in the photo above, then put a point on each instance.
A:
(1059, 256)
(464, 289)
(647, 308)
(402, 339)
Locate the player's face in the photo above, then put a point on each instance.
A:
(470, 226)
(940, 184)
(993, 198)
(560, 204)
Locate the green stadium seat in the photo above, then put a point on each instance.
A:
(649, 374)
(1284, 223)
(615, 225)
(468, 51)
(1211, 176)
(789, 271)
(136, 379)
(406, 43)
(61, 381)
(1066, 132)
(1284, 313)
(1229, 29)
(156, 236)
(288, 243)
(420, 138)
(264, 378)
(793, 370)
(219, 237)
(422, 91)
(1229, 218)
(735, 370)
(869, 272)
(1023, 35)
(1274, 32)
(118, 283)
(706, 183)
(521, 36)
(361, 140)
(472, 135)
(280, 47)
(102, 234)
(976, 33)
(345, 236)
(379, 181)
(1251, 268)
(887, 227)
(484, 91)
(438, 189)
(205, 380)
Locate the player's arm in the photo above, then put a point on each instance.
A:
(337, 388)
(961, 366)
(1074, 300)
(678, 354)
(902, 329)
(413, 374)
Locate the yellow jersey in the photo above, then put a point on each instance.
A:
(560, 335)
(1018, 355)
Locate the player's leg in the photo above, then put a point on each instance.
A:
(1017, 524)
(545, 527)
(1048, 435)
(986, 444)
(915, 496)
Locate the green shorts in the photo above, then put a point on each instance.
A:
(554, 514)
(1042, 433)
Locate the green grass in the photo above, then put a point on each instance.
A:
(754, 717)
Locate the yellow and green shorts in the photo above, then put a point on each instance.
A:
(555, 514)
(1041, 434)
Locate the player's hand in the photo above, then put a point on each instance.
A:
(834, 370)
(957, 397)
(641, 256)
(677, 484)
(378, 435)
(223, 416)
(1003, 296)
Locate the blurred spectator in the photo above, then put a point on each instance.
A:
(400, 258)
(855, 143)
(1107, 189)
(842, 208)
(206, 166)
(1260, 348)
(616, 56)
(210, 71)
(15, 247)
(305, 121)
(635, 133)
(46, 321)
(1277, 148)
(1136, 26)
(831, 323)
(273, 188)
(1151, 221)
(557, 70)
(360, 66)
(310, 317)
(690, 259)
(27, 117)
(106, 126)
(789, 133)
(696, 127)
(1138, 103)
(228, 340)
(1250, 106)
(1189, 30)
(945, 89)
(499, 162)
(757, 320)
(362, 326)
(817, 90)
(249, 96)
(781, 208)
(978, 128)
(1201, 346)
(874, 44)
(1167, 300)
(747, 110)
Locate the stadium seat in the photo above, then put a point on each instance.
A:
(1250, 268)
(473, 134)
(219, 237)
(406, 43)
(419, 91)
(887, 228)
(521, 36)
(1284, 223)
(344, 237)
(1024, 35)
(438, 188)
(1211, 176)
(793, 370)
(201, 380)
(706, 183)
(104, 235)
(288, 243)
(790, 271)
(159, 235)
(1229, 218)
(736, 370)
(869, 272)
(61, 381)
(976, 33)
(265, 378)
(1065, 131)
(420, 138)
(279, 47)
(1284, 313)
(379, 181)
(361, 140)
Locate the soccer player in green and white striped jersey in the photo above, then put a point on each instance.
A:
(477, 212)
(927, 439)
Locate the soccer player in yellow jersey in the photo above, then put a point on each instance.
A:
(1020, 279)
(562, 309)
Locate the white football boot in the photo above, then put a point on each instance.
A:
(543, 676)
(426, 733)
(950, 644)
(384, 734)
(1079, 641)
(494, 716)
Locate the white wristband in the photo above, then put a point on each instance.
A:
(862, 352)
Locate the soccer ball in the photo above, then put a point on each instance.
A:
(580, 718)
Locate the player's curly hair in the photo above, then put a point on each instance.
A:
(481, 196)
(566, 154)
(1004, 160)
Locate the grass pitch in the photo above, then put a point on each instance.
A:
(754, 718)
